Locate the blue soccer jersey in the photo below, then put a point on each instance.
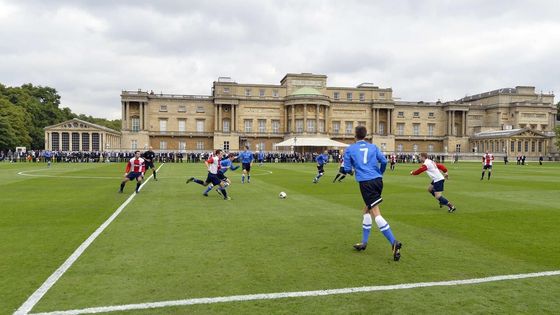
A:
(246, 157)
(366, 159)
(322, 159)
(225, 164)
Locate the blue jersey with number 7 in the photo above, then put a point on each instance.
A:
(366, 159)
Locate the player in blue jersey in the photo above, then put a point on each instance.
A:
(261, 158)
(246, 158)
(369, 164)
(321, 160)
(225, 164)
(48, 157)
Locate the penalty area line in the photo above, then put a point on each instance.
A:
(28, 305)
(273, 296)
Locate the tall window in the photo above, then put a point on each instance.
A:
(225, 124)
(381, 128)
(400, 129)
(276, 126)
(75, 141)
(336, 127)
(199, 125)
(349, 96)
(247, 92)
(519, 146)
(336, 95)
(163, 125)
(55, 141)
(135, 124)
(299, 125)
(310, 125)
(349, 127)
(163, 145)
(540, 146)
(431, 129)
(321, 126)
(289, 126)
(526, 145)
(182, 145)
(261, 92)
(133, 144)
(399, 147)
(85, 141)
(260, 146)
(362, 97)
(458, 148)
(262, 125)
(533, 146)
(200, 145)
(430, 148)
(182, 125)
(415, 147)
(94, 141)
(226, 146)
(512, 146)
(416, 129)
(66, 141)
(248, 125)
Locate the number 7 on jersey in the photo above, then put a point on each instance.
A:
(365, 150)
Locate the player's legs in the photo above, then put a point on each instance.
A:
(438, 194)
(489, 172)
(138, 183)
(123, 183)
(320, 173)
(483, 171)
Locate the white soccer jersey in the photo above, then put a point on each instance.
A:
(213, 164)
(341, 162)
(487, 159)
(433, 170)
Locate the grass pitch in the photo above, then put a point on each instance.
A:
(171, 243)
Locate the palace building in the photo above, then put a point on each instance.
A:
(511, 121)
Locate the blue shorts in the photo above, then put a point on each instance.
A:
(438, 186)
(134, 175)
(213, 178)
(246, 166)
(371, 192)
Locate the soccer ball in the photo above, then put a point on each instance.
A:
(282, 195)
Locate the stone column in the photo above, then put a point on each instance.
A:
(285, 129)
(233, 129)
(304, 118)
(127, 113)
(141, 109)
(293, 119)
(123, 115)
(389, 121)
(215, 117)
(453, 123)
(372, 129)
(317, 119)
(464, 124)
(327, 112)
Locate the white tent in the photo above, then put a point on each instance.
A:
(310, 142)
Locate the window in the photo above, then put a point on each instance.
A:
(133, 144)
(299, 125)
(200, 145)
(381, 128)
(430, 148)
(162, 108)
(274, 93)
(200, 125)
(248, 123)
(261, 92)
(55, 141)
(362, 97)
(310, 125)
(416, 115)
(65, 141)
(349, 96)
(431, 115)
(431, 129)
(289, 126)
(85, 142)
(458, 148)
(382, 94)
(526, 146)
(226, 146)
(226, 125)
(182, 145)
(163, 145)
(400, 114)
(321, 127)
(163, 125)
(518, 146)
(182, 125)
(260, 146)
(400, 129)
(182, 109)
(276, 126)
(200, 109)
(336, 127)
(226, 90)
(75, 141)
(262, 125)
(415, 129)
(415, 148)
(94, 141)
(512, 146)
(135, 124)
(361, 123)
(336, 95)
(399, 147)
(349, 127)
(533, 146)
(247, 92)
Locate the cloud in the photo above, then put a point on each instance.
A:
(424, 50)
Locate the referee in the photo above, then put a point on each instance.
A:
(149, 157)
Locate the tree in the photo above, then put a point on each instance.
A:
(13, 126)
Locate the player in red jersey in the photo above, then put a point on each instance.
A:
(393, 161)
(436, 186)
(135, 169)
(487, 159)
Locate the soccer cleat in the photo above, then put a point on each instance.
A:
(136, 191)
(360, 246)
(396, 247)
(227, 198)
(314, 180)
(120, 191)
(451, 209)
(205, 194)
(190, 180)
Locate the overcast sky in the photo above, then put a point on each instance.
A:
(425, 50)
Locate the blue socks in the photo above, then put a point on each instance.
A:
(443, 201)
(366, 228)
(385, 229)
(208, 189)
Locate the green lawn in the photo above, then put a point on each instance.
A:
(171, 243)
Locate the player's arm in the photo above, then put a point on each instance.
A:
(420, 170)
(382, 161)
(128, 166)
(143, 169)
(347, 162)
(442, 168)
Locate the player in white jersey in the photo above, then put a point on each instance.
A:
(213, 166)
(393, 161)
(436, 186)
(487, 160)
(135, 169)
(341, 172)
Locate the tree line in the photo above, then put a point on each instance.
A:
(25, 110)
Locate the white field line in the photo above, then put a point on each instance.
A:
(26, 307)
(272, 296)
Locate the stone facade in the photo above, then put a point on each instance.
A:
(79, 135)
